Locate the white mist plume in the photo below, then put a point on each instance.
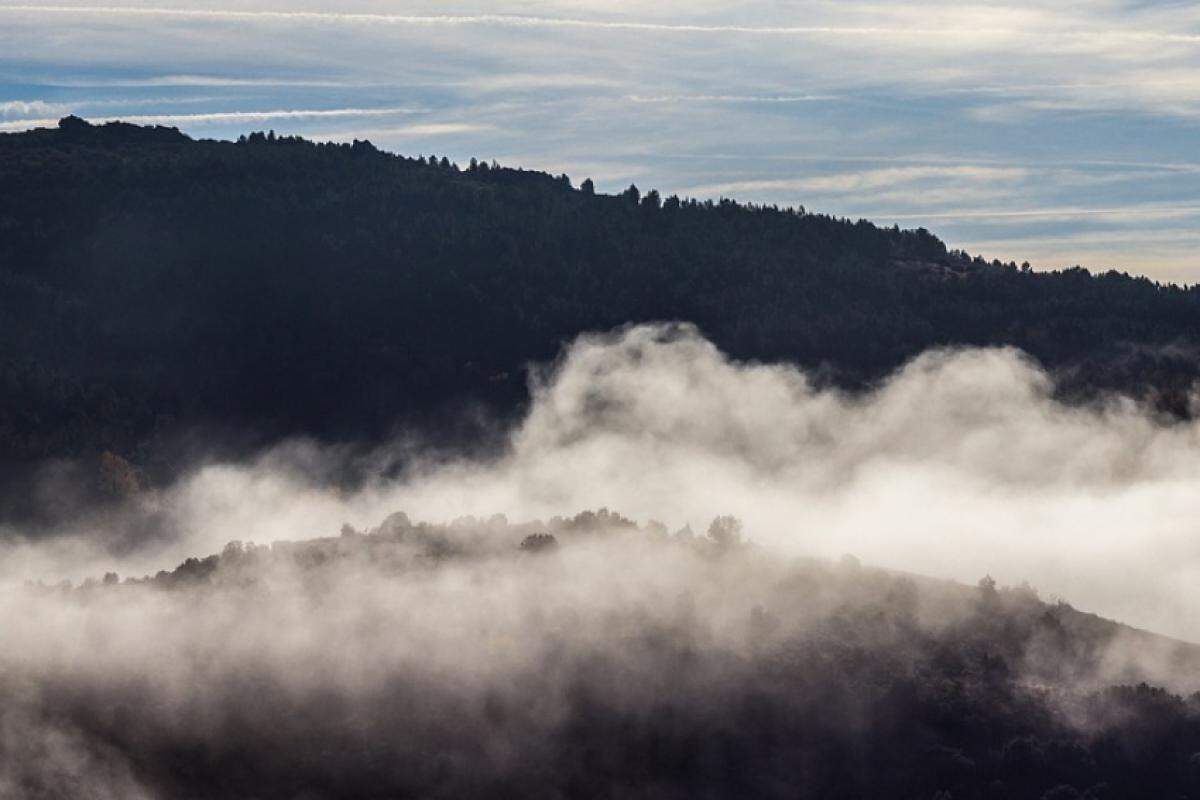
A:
(427, 661)
(960, 464)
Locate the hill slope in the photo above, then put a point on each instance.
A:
(150, 283)
(582, 657)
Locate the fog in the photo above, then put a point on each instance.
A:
(399, 658)
(959, 465)
(364, 668)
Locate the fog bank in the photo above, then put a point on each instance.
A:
(959, 465)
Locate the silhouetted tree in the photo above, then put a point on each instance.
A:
(538, 542)
(725, 532)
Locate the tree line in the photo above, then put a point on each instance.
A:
(151, 285)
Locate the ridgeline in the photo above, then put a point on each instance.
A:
(152, 284)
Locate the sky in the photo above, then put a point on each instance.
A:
(1056, 133)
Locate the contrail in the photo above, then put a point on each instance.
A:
(519, 21)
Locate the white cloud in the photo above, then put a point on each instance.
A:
(418, 130)
(225, 117)
(995, 29)
(1150, 211)
(25, 108)
(728, 98)
(871, 180)
(192, 80)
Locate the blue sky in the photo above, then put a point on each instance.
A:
(1058, 135)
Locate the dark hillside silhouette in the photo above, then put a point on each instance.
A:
(151, 284)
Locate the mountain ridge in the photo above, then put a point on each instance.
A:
(337, 291)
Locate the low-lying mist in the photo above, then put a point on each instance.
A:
(573, 657)
(513, 649)
(961, 464)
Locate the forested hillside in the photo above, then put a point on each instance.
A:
(150, 284)
(584, 657)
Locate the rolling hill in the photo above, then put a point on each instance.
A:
(579, 657)
(153, 286)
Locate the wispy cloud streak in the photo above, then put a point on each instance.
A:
(224, 117)
(520, 21)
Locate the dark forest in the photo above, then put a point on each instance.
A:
(152, 285)
(197, 336)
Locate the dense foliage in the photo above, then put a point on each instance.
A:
(150, 284)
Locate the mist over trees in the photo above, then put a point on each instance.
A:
(152, 286)
(476, 659)
(162, 297)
